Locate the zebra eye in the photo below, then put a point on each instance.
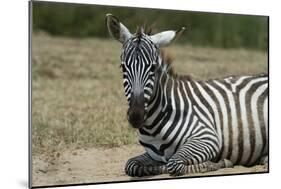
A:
(152, 69)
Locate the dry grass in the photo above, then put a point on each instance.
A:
(77, 93)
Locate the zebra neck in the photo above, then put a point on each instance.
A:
(169, 98)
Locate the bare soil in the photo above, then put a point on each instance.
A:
(101, 165)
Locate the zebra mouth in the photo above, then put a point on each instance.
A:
(136, 118)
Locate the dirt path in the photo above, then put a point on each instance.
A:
(99, 165)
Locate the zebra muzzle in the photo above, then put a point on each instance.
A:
(136, 118)
(136, 111)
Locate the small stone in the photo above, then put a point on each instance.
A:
(58, 155)
(74, 153)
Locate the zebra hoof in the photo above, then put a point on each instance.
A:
(134, 171)
(133, 168)
(175, 167)
(227, 163)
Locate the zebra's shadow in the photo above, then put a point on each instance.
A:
(156, 177)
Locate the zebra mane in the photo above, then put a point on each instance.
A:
(166, 64)
(146, 29)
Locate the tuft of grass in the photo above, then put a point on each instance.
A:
(77, 91)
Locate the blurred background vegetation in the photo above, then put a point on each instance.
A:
(204, 29)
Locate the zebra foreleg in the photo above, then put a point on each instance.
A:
(144, 165)
(195, 157)
(207, 166)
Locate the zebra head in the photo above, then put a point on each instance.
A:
(140, 64)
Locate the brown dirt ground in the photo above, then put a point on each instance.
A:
(101, 165)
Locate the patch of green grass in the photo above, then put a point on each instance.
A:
(77, 91)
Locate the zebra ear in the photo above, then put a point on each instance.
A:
(116, 29)
(165, 38)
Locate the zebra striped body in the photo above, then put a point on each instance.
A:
(185, 125)
(232, 112)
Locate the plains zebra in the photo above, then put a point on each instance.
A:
(188, 126)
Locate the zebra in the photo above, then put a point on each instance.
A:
(188, 126)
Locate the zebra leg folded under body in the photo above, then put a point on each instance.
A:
(207, 166)
(264, 160)
(144, 165)
(186, 160)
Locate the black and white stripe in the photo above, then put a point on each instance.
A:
(231, 116)
(137, 66)
(192, 126)
(213, 120)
